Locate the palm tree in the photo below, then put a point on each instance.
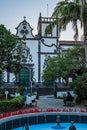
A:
(73, 11)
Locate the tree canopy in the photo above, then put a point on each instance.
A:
(10, 50)
(79, 86)
(70, 64)
(71, 11)
(74, 12)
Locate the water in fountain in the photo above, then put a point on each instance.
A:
(58, 126)
(72, 127)
(53, 126)
(48, 126)
(26, 127)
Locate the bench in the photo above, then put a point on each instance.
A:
(31, 100)
(71, 103)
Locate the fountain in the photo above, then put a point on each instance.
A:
(26, 127)
(72, 127)
(45, 121)
(58, 126)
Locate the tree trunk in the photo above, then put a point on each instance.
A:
(85, 40)
(85, 45)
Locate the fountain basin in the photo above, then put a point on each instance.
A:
(48, 126)
(16, 121)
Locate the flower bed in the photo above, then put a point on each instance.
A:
(8, 114)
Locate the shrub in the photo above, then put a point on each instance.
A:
(79, 86)
(12, 104)
(21, 90)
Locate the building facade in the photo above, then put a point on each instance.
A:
(36, 48)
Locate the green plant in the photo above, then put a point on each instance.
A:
(17, 102)
(79, 85)
(21, 90)
(12, 104)
(2, 92)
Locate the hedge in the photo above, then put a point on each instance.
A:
(12, 104)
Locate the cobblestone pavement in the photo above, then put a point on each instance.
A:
(50, 102)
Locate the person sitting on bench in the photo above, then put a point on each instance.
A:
(69, 97)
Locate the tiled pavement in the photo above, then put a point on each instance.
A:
(47, 102)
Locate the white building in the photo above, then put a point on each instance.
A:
(36, 48)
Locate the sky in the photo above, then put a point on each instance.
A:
(13, 11)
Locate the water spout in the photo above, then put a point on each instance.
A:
(58, 126)
(45, 118)
(72, 127)
(26, 127)
(58, 120)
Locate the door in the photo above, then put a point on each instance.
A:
(24, 77)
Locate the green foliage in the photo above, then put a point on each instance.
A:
(13, 104)
(79, 86)
(48, 29)
(52, 70)
(17, 102)
(68, 11)
(21, 90)
(49, 73)
(10, 51)
(2, 91)
(4, 106)
(73, 62)
(69, 64)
